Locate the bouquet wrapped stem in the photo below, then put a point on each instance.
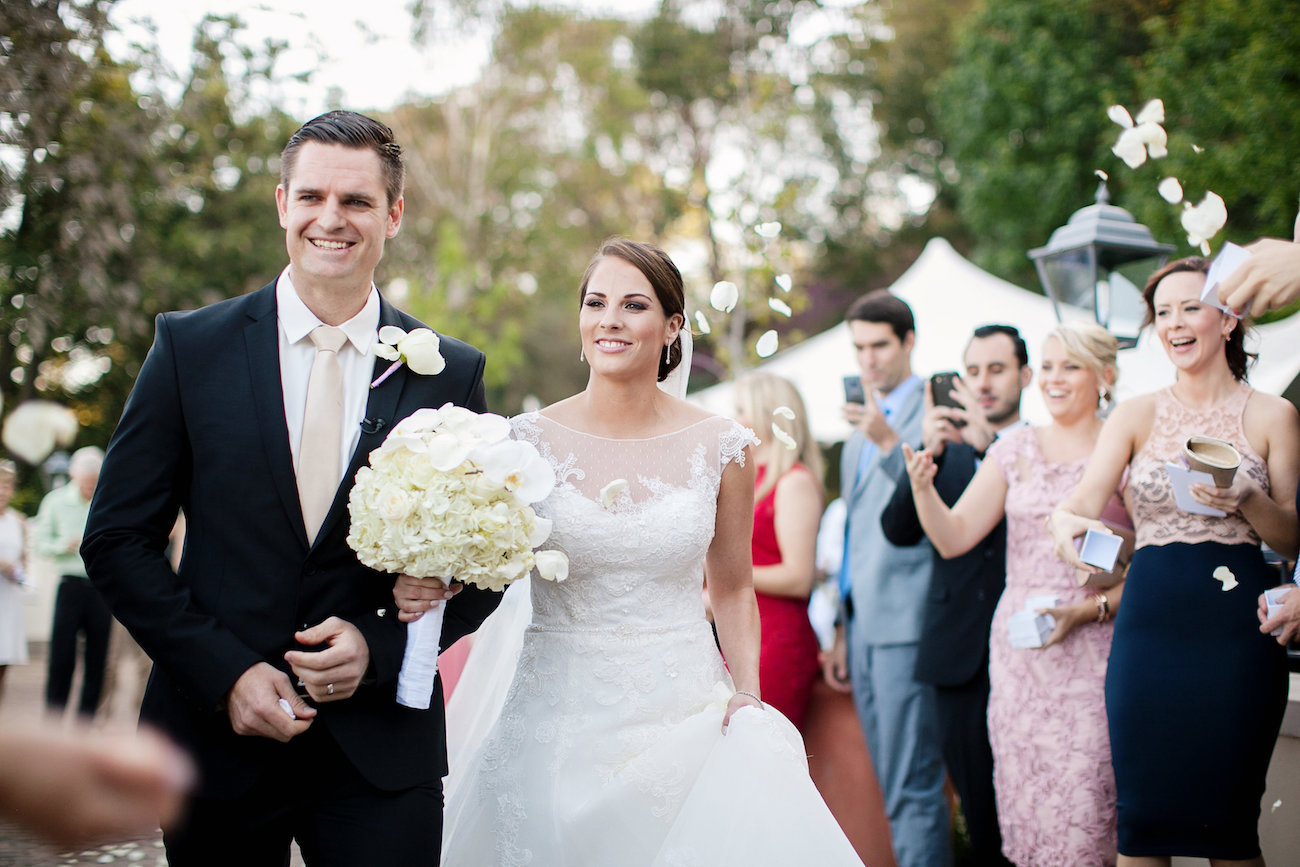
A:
(448, 495)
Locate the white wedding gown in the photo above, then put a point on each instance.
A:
(606, 748)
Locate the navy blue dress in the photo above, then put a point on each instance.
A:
(1194, 692)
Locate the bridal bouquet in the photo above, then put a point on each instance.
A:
(448, 494)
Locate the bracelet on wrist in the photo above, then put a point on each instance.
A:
(1103, 607)
(750, 694)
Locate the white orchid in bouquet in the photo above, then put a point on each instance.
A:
(448, 494)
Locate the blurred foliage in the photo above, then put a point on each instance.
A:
(118, 205)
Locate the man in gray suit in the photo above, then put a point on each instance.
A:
(883, 588)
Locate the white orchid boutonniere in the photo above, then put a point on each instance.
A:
(417, 349)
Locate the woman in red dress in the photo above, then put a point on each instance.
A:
(788, 501)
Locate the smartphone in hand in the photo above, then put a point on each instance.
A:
(941, 388)
(853, 392)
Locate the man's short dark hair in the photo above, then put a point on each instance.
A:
(1018, 342)
(881, 306)
(353, 130)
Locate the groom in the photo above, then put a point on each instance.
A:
(276, 653)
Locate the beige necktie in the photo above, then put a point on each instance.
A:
(322, 434)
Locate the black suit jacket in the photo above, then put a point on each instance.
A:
(204, 431)
(964, 591)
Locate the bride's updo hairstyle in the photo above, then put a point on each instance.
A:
(665, 279)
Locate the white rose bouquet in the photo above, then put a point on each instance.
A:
(449, 495)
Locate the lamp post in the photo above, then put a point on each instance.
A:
(1096, 263)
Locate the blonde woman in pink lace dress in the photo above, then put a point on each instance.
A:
(1195, 694)
(1047, 714)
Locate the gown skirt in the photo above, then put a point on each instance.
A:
(1195, 696)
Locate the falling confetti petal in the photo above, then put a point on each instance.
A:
(1197, 149)
(1152, 112)
(784, 412)
(1202, 222)
(702, 322)
(610, 492)
(1224, 574)
(1099, 173)
(1276, 804)
(768, 230)
(784, 281)
(1120, 115)
(780, 306)
(724, 296)
(1170, 190)
(766, 345)
(784, 438)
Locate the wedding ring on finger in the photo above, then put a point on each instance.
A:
(329, 689)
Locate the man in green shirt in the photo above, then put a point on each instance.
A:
(78, 607)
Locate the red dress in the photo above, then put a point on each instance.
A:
(787, 663)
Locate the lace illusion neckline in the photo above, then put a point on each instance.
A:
(583, 433)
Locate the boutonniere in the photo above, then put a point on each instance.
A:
(418, 350)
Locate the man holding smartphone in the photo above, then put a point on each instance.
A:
(963, 416)
(883, 587)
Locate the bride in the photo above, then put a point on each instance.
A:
(623, 738)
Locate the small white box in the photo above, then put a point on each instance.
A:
(1273, 596)
(1099, 549)
(1028, 629)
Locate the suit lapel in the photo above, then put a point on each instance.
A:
(262, 341)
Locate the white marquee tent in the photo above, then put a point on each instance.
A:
(950, 297)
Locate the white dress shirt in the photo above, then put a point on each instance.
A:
(298, 353)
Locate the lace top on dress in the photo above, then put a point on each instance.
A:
(1149, 494)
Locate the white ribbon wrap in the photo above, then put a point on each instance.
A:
(420, 660)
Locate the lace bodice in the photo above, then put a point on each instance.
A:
(1156, 517)
(636, 554)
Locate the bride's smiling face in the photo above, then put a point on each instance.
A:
(623, 327)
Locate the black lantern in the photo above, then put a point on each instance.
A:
(1097, 263)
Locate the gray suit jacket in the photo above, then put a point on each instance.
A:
(888, 583)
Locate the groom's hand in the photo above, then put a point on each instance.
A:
(253, 705)
(334, 673)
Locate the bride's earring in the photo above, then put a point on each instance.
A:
(581, 357)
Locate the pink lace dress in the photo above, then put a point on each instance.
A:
(1194, 692)
(1047, 713)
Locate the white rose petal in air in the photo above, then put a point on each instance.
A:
(768, 230)
(609, 494)
(1197, 149)
(724, 296)
(1276, 804)
(1130, 148)
(784, 281)
(784, 438)
(35, 427)
(784, 412)
(1152, 112)
(766, 345)
(1224, 574)
(1170, 190)
(702, 322)
(1119, 114)
(1202, 222)
(780, 306)
(552, 565)
(1155, 138)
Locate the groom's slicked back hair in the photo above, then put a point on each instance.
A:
(353, 130)
(656, 266)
